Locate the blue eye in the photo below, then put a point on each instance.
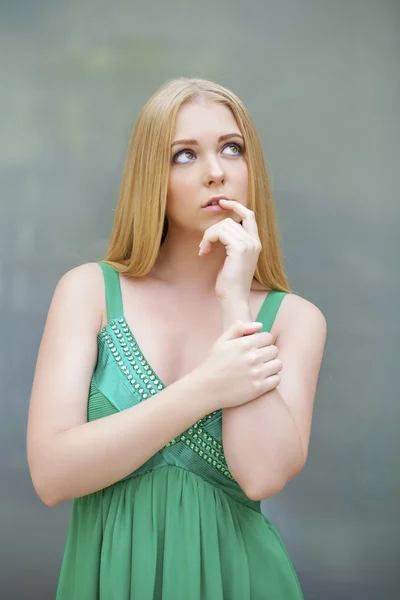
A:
(183, 154)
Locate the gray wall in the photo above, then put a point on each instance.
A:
(321, 80)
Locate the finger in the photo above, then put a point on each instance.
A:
(224, 235)
(239, 329)
(243, 240)
(205, 244)
(259, 356)
(247, 215)
(267, 353)
(252, 244)
(238, 230)
(269, 384)
(272, 367)
(259, 340)
(227, 232)
(228, 224)
(272, 381)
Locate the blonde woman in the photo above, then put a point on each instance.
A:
(175, 379)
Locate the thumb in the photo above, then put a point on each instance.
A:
(239, 329)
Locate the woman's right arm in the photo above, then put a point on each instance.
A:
(69, 457)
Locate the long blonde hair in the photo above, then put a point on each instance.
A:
(140, 224)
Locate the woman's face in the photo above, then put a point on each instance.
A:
(207, 161)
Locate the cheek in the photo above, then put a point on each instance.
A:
(245, 174)
(180, 190)
(180, 182)
(242, 182)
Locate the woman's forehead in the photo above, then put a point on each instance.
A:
(198, 119)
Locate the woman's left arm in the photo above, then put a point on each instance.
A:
(266, 440)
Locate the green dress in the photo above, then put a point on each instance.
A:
(179, 527)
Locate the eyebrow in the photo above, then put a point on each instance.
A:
(220, 139)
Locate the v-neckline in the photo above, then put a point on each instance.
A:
(122, 320)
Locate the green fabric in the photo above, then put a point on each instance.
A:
(179, 527)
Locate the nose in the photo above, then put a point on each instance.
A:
(214, 172)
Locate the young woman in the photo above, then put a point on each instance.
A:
(175, 382)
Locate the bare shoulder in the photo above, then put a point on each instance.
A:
(83, 277)
(295, 306)
(81, 288)
(301, 315)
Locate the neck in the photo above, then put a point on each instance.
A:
(178, 262)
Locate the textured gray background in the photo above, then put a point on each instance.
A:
(321, 80)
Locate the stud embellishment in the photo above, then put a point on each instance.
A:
(131, 360)
(145, 383)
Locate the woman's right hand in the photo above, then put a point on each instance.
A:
(241, 366)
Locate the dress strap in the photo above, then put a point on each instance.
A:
(113, 291)
(270, 308)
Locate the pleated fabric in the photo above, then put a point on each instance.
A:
(169, 535)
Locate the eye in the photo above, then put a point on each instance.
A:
(235, 149)
(183, 156)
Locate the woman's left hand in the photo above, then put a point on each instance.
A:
(243, 247)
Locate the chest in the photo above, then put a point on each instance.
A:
(174, 340)
(175, 332)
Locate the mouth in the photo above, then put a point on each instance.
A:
(215, 201)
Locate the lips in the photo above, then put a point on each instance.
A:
(215, 199)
